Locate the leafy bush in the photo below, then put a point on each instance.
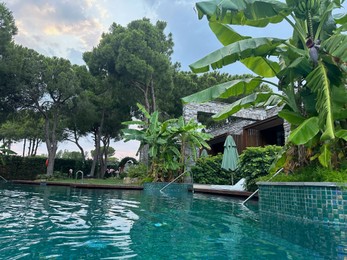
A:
(314, 173)
(137, 171)
(208, 171)
(255, 162)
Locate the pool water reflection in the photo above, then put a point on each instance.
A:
(41, 222)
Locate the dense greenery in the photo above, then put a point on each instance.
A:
(168, 142)
(28, 168)
(313, 173)
(207, 170)
(138, 171)
(49, 100)
(310, 68)
(255, 162)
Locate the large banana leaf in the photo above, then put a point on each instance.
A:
(325, 155)
(262, 66)
(252, 100)
(336, 46)
(259, 65)
(342, 20)
(293, 118)
(225, 34)
(258, 13)
(224, 90)
(299, 67)
(319, 83)
(236, 51)
(304, 132)
(339, 97)
(342, 133)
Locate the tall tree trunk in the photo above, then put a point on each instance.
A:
(29, 146)
(79, 146)
(103, 155)
(36, 146)
(24, 144)
(97, 139)
(154, 103)
(51, 142)
(147, 103)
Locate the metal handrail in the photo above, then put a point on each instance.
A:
(171, 182)
(243, 203)
(3, 178)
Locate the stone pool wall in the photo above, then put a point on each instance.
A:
(318, 209)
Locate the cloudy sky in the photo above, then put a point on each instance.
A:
(67, 28)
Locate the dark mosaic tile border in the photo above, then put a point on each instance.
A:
(319, 202)
(313, 215)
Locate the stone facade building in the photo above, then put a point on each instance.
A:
(249, 127)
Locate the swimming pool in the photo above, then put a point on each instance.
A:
(45, 222)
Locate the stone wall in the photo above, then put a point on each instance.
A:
(190, 111)
(242, 118)
(235, 127)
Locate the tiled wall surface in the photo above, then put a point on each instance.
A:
(313, 201)
(312, 215)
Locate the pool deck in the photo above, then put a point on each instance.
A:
(198, 188)
(221, 190)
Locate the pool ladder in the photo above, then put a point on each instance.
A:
(243, 203)
(3, 178)
(167, 185)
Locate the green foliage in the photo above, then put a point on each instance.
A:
(208, 170)
(22, 168)
(167, 142)
(312, 173)
(138, 56)
(27, 168)
(310, 68)
(255, 162)
(137, 171)
(7, 27)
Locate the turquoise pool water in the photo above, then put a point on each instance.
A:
(45, 222)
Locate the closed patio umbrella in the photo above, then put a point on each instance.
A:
(230, 156)
(203, 153)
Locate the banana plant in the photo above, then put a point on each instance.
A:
(167, 141)
(310, 68)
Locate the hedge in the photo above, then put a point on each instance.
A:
(27, 168)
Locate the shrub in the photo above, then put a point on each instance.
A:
(255, 162)
(313, 173)
(27, 168)
(137, 171)
(207, 170)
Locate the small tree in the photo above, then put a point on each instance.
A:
(167, 141)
